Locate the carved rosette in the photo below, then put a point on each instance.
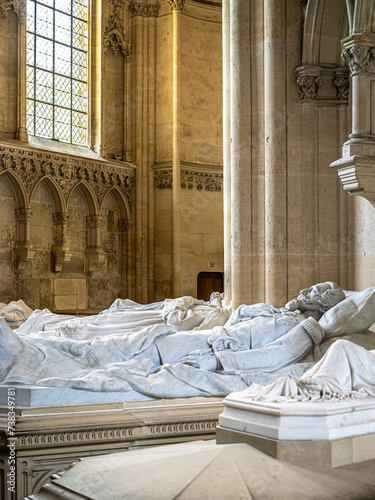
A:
(177, 4)
(308, 86)
(341, 82)
(19, 7)
(358, 56)
(114, 39)
(145, 9)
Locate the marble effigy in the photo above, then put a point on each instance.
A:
(326, 417)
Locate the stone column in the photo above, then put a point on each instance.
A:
(275, 153)
(22, 251)
(176, 6)
(226, 154)
(96, 79)
(151, 150)
(123, 228)
(22, 134)
(60, 250)
(94, 255)
(240, 126)
(356, 168)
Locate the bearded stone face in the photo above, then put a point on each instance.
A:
(315, 299)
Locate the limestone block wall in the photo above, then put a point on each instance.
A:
(201, 91)
(8, 75)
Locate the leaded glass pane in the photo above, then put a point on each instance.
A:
(56, 75)
(64, 6)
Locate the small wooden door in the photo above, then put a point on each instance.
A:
(208, 283)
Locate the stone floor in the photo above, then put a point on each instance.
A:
(204, 470)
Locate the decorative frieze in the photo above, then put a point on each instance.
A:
(204, 179)
(145, 9)
(30, 166)
(177, 4)
(19, 7)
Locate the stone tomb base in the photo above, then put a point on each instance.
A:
(323, 433)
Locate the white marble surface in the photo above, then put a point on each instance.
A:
(299, 421)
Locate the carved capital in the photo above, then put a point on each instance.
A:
(163, 179)
(145, 9)
(309, 81)
(19, 7)
(23, 215)
(60, 218)
(93, 221)
(177, 4)
(358, 56)
(341, 82)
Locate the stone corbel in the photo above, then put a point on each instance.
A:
(341, 82)
(94, 255)
(60, 250)
(22, 251)
(309, 80)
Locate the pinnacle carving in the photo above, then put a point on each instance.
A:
(145, 9)
(19, 7)
(308, 86)
(114, 37)
(358, 57)
(177, 4)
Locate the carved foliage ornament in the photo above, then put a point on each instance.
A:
(115, 40)
(358, 57)
(145, 9)
(341, 82)
(19, 7)
(177, 4)
(206, 181)
(30, 166)
(308, 86)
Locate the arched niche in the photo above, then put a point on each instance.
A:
(7, 240)
(326, 24)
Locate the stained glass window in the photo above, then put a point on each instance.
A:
(56, 74)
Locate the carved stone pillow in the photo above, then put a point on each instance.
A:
(355, 314)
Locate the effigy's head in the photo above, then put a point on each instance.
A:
(321, 297)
